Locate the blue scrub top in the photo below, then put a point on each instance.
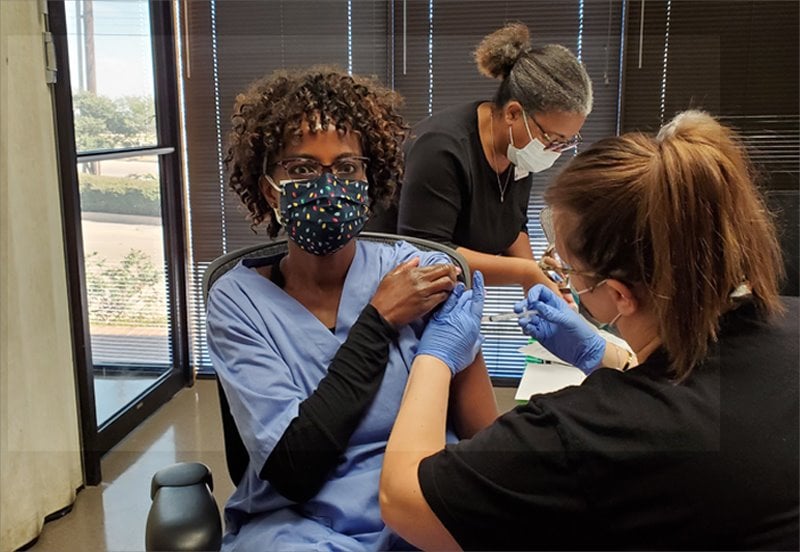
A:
(270, 354)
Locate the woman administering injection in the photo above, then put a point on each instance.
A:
(469, 168)
(661, 456)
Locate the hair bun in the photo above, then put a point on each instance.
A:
(689, 124)
(498, 52)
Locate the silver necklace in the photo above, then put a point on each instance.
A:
(500, 187)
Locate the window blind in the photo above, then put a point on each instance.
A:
(422, 48)
(737, 60)
(229, 45)
(433, 68)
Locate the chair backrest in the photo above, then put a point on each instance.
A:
(236, 455)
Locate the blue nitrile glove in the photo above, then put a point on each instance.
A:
(560, 329)
(453, 334)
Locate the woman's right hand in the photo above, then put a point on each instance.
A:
(409, 291)
(552, 279)
(560, 329)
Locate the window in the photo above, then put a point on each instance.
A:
(125, 162)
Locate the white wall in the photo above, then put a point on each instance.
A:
(39, 437)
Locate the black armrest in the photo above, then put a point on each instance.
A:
(184, 515)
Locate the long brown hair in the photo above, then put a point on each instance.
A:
(680, 214)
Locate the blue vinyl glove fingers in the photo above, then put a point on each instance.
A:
(530, 299)
(531, 318)
(543, 294)
(550, 314)
(452, 300)
(471, 306)
(529, 329)
(478, 293)
(536, 295)
(561, 330)
(531, 325)
(453, 333)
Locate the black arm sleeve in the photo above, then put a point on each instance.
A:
(433, 188)
(312, 444)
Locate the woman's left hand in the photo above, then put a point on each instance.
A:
(453, 334)
(410, 291)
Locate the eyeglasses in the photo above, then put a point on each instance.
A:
(306, 168)
(550, 262)
(557, 145)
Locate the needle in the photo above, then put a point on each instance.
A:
(499, 317)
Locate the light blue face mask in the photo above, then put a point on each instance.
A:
(605, 326)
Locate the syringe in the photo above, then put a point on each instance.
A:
(499, 317)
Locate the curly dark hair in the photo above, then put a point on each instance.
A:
(272, 110)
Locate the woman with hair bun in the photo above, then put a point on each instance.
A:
(468, 168)
(695, 448)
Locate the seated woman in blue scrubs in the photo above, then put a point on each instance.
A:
(313, 351)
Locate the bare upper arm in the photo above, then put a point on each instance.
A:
(408, 513)
(472, 401)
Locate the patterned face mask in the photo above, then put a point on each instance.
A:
(322, 215)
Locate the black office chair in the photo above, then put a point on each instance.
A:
(184, 515)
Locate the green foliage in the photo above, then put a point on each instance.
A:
(131, 195)
(112, 123)
(126, 293)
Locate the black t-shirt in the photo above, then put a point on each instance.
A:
(632, 460)
(450, 193)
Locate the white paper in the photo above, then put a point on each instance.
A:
(546, 378)
(555, 373)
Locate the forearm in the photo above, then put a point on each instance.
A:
(521, 248)
(314, 441)
(419, 431)
(472, 402)
(498, 271)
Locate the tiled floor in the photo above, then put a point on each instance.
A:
(111, 516)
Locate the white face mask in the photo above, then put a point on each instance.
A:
(533, 157)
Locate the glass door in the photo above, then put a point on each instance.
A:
(116, 89)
